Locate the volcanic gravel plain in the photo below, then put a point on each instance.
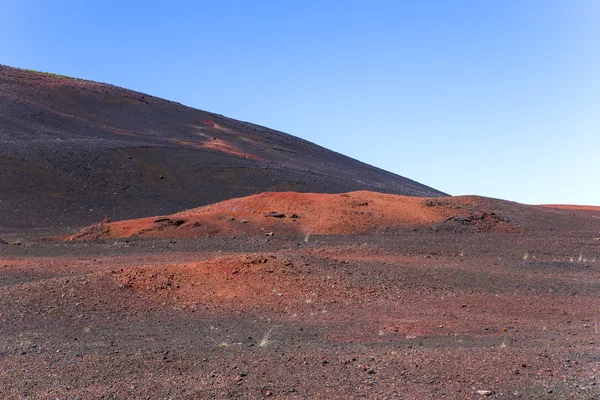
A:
(149, 250)
(296, 295)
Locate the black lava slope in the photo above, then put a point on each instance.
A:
(74, 151)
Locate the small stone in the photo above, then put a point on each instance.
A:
(275, 214)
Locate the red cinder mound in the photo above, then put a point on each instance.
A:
(307, 213)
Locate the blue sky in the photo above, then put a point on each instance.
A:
(496, 98)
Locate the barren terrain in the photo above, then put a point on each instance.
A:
(152, 251)
(449, 306)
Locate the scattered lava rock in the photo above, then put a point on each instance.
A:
(482, 220)
(436, 203)
(163, 223)
(93, 232)
(275, 214)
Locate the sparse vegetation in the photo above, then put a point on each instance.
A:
(223, 343)
(265, 340)
(503, 345)
(53, 75)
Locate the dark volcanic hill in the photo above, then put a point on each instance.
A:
(74, 151)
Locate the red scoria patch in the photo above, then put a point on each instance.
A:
(248, 282)
(225, 147)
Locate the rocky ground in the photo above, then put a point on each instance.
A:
(277, 295)
(409, 314)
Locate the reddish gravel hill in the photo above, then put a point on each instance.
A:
(292, 213)
(74, 151)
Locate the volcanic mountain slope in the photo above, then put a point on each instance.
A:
(74, 151)
(291, 213)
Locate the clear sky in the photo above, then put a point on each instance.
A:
(496, 98)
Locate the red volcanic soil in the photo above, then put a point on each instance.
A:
(310, 213)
